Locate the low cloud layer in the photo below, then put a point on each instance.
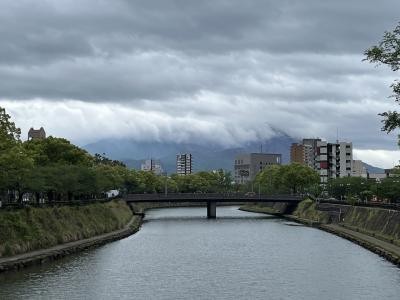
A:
(223, 72)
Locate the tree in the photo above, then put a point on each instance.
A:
(292, 178)
(298, 177)
(389, 189)
(387, 52)
(9, 133)
(346, 186)
(57, 151)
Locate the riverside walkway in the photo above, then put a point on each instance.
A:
(386, 249)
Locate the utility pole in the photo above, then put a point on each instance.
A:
(166, 184)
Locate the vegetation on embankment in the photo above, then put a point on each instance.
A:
(307, 210)
(381, 223)
(31, 229)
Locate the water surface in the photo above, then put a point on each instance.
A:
(180, 254)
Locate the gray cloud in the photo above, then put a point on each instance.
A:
(220, 66)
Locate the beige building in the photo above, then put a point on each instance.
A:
(36, 134)
(247, 166)
(358, 169)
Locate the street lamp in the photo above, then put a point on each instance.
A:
(166, 184)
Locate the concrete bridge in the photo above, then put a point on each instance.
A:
(210, 199)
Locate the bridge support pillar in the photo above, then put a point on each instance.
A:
(211, 209)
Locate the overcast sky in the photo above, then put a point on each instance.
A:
(218, 71)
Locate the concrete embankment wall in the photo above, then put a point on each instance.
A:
(273, 208)
(380, 223)
(30, 229)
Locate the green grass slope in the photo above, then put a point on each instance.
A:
(38, 228)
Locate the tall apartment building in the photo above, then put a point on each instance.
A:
(330, 160)
(184, 164)
(311, 145)
(152, 165)
(334, 160)
(302, 154)
(247, 166)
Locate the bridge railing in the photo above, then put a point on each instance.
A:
(208, 196)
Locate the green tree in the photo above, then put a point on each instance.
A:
(57, 151)
(387, 52)
(344, 186)
(292, 178)
(388, 189)
(9, 133)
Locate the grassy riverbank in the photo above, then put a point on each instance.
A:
(31, 229)
(381, 223)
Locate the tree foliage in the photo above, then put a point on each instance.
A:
(293, 178)
(387, 52)
(348, 186)
(387, 189)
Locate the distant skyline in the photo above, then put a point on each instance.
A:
(219, 72)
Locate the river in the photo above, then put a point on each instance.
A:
(180, 254)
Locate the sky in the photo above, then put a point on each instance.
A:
(220, 72)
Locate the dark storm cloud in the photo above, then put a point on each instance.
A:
(198, 63)
(98, 46)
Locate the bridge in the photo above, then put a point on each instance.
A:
(210, 199)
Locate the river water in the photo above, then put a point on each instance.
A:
(180, 254)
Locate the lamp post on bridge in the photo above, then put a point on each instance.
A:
(166, 184)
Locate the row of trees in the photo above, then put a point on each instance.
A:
(365, 189)
(56, 170)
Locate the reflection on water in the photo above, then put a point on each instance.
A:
(180, 254)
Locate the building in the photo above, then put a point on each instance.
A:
(334, 160)
(184, 164)
(376, 176)
(152, 165)
(330, 160)
(311, 145)
(302, 154)
(359, 170)
(394, 172)
(247, 166)
(38, 134)
(297, 153)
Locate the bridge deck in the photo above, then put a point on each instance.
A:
(187, 197)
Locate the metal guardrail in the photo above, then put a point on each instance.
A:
(394, 206)
(15, 205)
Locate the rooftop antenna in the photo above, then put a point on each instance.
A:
(337, 135)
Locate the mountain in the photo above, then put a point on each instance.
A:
(205, 157)
(372, 169)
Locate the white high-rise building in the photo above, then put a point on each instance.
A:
(151, 165)
(330, 160)
(184, 164)
(334, 160)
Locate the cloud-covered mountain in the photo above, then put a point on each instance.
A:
(208, 157)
